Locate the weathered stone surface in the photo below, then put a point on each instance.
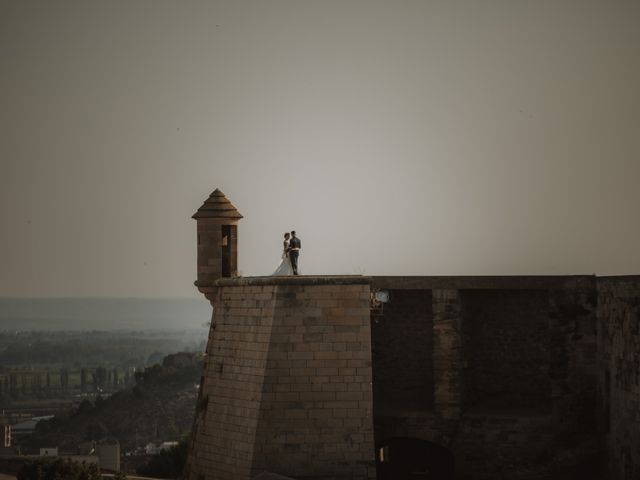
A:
(287, 385)
(509, 373)
(271, 476)
(619, 374)
(217, 206)
(513, 371)
(505, 349)
(402, 362)
(505, 378)
(217, 242)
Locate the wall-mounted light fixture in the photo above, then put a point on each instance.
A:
(381, 296)
(378, 299)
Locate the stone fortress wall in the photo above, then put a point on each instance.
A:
(619, 374)
(287, 381)
(307, 377)
(512, 368)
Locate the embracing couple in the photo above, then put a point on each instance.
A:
(290, 253)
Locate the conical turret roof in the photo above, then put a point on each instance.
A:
(217, 206)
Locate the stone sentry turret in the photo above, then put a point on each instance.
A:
(217, 242)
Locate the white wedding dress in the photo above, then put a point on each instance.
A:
(285, 268)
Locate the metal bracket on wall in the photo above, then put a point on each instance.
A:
(378, 299)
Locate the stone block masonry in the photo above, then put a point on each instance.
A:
(512, 386)
(619, 374)
(287, 381)
(402, 353)
(506, 349)
(504, 372)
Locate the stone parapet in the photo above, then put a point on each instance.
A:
(480, 282)
(294, 280)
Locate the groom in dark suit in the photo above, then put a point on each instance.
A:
(294, 250)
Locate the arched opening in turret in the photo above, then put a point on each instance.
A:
(225, 245)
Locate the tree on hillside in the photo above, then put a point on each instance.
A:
(47, 469)
(168, 463)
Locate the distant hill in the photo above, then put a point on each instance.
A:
(160, 407)
(102, 313)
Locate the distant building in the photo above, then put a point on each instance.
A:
(151, 449)
(86, 448)
(108, 452)
(26, 427)
(5, 431)
(5, 440)
(49, 452)
(167, 445)
(154, 449)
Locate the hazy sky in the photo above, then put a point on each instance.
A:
(397, 137)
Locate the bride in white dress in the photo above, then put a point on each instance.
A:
(285, 267)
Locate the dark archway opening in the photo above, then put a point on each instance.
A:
(401, 458)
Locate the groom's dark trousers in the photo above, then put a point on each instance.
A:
(293, 256)
(295, 246)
